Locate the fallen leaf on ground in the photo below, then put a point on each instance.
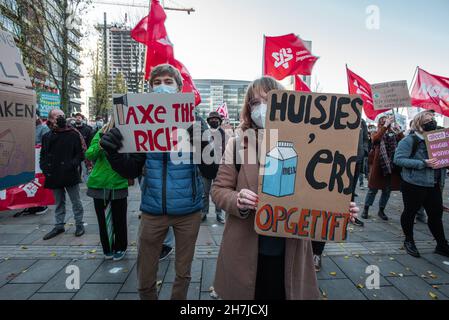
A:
(433, 295)
(53, 254)
(435, 287)
(346, 257)
(92, 251)
(393, 273)
(391, 258)
(333, 273)
(433, 276)
(23, 248)
(360, 286)
(159, 282)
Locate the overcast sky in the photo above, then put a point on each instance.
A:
(223, 39)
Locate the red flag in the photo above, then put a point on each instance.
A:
(431, 92)
(287, 55)
(301, 85)
(187, 82)
(223, 110)
(357, 85)
(151, 32)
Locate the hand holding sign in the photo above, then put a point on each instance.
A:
(111, 141)
(308, 175)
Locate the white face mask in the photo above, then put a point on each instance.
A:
(258, 115)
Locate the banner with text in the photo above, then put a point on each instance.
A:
(307, 172)
(149, 122)
(389, 95)
(437, 143)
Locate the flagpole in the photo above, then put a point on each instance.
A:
(413, 79)
(347, 79)
(146, 53)
(263, 56)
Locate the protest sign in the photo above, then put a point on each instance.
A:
(17, 130)
(437, 143)
(12, 69)
(149, 122)
(47, 101)
(307, 173)
(17, 117)
(389, 95)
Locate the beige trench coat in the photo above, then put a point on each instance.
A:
(235, 277)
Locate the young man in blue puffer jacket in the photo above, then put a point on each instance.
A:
(172, 196)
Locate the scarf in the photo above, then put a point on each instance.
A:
(388, 145)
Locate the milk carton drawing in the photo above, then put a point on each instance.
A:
(280, 170)
(7, 144)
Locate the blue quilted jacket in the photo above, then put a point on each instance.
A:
(171, 188)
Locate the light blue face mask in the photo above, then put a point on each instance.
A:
(163, 88)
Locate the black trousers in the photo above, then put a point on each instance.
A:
(119, 220)
(415, 197)
(270, 282)
(318, 247)
(358, 168)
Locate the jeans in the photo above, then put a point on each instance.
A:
(207, 186)
(371, 195)
(77, 207)
(170, 238)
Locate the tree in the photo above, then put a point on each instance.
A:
(120, 84)
(58, 30)
(99, 87)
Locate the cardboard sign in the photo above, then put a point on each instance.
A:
(437, 143)
(48, 101)
(307, 173)
(149, 122)
(17, 131)
(389, 95)
(12, 69)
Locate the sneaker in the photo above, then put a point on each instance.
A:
(220, 217)
(108, 256)
(166, 251)
(203, 216)
(317, 262)
(53, 233)
(79, 231)
(119, 255)
(358, 223)
(43, 211)
(23, 212)
(442, 250)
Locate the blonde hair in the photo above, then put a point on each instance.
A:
(264, 84)
(418, 120)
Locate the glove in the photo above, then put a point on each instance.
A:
(111, 141)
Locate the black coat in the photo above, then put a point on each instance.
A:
(61, 156)
(87, 133)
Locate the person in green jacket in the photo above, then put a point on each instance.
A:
(109, 191)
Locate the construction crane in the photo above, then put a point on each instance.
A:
(122, 4)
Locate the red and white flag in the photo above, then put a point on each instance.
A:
(151, 32)
(287, 56)
(358, 85)
(431, 92)
(223, 111)
(301, 85)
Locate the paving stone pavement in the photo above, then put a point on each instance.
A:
(31, 268)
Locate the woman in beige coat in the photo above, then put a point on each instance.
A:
(251, 266)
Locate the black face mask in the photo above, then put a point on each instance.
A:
(214, 124)
(430, 126)
(61, 122)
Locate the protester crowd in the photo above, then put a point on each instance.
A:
(175, 196)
